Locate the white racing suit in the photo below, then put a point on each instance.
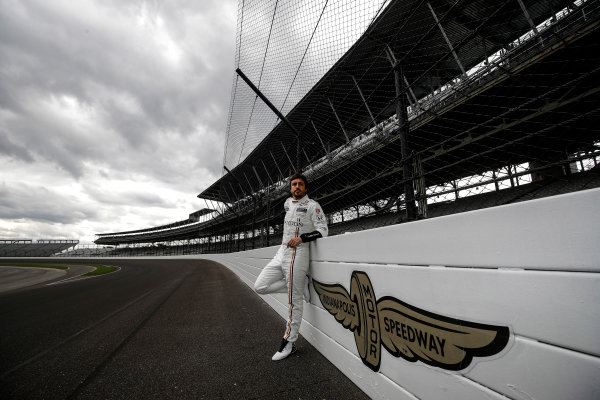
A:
(286, 272)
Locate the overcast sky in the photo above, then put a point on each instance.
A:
(112, 113)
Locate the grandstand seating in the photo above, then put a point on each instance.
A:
(86, 251)
(26, 248)
(535, 190)
(531, 191)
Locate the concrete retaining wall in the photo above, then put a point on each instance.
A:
(531, 267)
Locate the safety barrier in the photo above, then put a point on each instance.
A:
(494, 303)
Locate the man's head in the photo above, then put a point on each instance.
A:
(298, 186)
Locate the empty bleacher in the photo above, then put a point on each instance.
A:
(27, 248)
(535, 190)
(383, 217)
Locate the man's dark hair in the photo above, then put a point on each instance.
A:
(299, 176)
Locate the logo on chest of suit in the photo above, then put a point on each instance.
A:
(293, 223)
(407, 331)
(302, 210)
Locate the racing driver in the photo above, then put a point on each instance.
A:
(287, 271)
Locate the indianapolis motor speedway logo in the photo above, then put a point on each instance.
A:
(407, 331)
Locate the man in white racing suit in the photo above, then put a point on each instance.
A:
(287, 271)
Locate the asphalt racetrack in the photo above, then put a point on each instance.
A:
(157, 329)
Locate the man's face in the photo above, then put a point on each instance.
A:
(298, 188)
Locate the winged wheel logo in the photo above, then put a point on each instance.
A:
(407, 331)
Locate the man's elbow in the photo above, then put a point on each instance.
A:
(314, 235)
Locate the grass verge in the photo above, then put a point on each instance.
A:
(100, 270)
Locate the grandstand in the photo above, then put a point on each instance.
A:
(437, 108)
(86, 250)
(27, 248)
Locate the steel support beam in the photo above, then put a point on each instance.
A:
(277, 165)
(421, 186)
(338, 120)
(267, 171)
(288, 156)
(253, 220)
(403, 124)
(238, 181)
(447, 40)
(268, 213)
(232, 188)
(249, 185)
(411, 93)
(528, 17)
(276, 111)
(306, 155)
(227, 205)
(319, 136)
(364, 100)
(258, 177)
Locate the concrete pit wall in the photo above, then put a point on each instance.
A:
(526, 275)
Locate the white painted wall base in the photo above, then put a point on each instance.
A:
(533, 267)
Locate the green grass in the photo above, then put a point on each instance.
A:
(100, 269)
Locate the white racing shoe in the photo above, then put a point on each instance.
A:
(286, 349)
(307, 289)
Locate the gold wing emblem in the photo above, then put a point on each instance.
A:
(415, 334)
(336, 300)
(407, 331)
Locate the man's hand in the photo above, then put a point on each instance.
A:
(294, 242)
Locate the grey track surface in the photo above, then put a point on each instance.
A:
(13, 278)
(16, 278)
(184, 329)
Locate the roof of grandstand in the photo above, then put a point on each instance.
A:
(487, 85)
(150, 229)
(200, 213)
(14, 241)
(477, 30)
(163, 229)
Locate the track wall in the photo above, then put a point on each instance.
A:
(531, 270)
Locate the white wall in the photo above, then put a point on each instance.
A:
(533, 267)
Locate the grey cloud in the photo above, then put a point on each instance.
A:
(38, 203)
(14, 150)
(39, 139)
(126, 198)
(96, 63)
(146, 121)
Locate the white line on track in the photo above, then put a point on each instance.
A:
(81, 277)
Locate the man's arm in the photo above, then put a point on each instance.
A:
(310, 236)
(319, 222)
(305, 237)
